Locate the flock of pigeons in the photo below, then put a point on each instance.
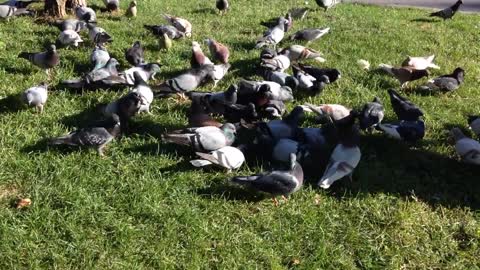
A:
(256, 122)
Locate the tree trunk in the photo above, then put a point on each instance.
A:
(58, 8)
(55, 8)
(71, 4)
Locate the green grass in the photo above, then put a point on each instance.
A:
(410, 207)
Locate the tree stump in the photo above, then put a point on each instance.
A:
(58, 8)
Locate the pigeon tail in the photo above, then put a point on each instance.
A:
(386, 68)
(182, 139)
(59, 140)
(244, 180)
(25, 55)
(200, 162)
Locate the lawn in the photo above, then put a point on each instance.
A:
(144, 206)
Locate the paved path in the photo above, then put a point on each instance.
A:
(468, 5)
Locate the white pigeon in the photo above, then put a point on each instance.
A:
(420, 63)
(279, 92)
(69, 37)
(342, 163)
(227, 157)
(144, 91)
(36, 96)
(219, 71)
(335, 111)
(468, 149)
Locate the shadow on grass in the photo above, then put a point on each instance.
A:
(205, 11)
(11, 104)
(244, 68)
(224, 190)
(86, 118)
(430, 177)
(43, 146)
(424, 20)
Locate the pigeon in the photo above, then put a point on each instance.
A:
(132, 9)
(146, 72)
(218, 51)
(334, 111)
(409, 131)
(268, 53)
(284, 148)
(85, 14)
(308, 83)
(276, 182)
(44, 60)
(298, 13)
(159, 30)
(298, 53)
(134, 54)
(97, 137)
(71, 24)
(235, 113)
(446, 83)
(278, 92)
(278, 63)
(279, 20)
(216, 102)
(274, 35)
(310, 34)
(69, 37)
(198, 57)
(185, 82)
(19, 4)
(7, 11)
(420, 63)
(404, 74)
(228, 157)
(404, 108)
(253, 92)
(164, 42)
(281, 78)
(203, 139)
(345, 156)
(144, 91)
(372, 114)
(273, 109)
(281, 129)
(219, 71)
(99, 57)
(222, 6)
(125, 107)
(36, 96)
(447, 13)
(98, 35)
(467, 148)
(181, 24)
(110, 69)
(326, 4)
(319, 73)
(363, 64)
(112, 5)
(474, 123)
(198, 116)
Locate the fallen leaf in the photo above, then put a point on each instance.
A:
(23, 203)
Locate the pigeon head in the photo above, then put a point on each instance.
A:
(267, 53)
(459, 74)
(52, 48)
(112, 62)
(137, 44)
(133, 4)
(333, 75)
(153, 67)
(43, 84)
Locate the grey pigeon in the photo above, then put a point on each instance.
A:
(326, 4)
(308, 83)
(85, 14)
(319, 73)
(98, 35)
(99, 57)
(20, 4)
(146, 71)
(310, 34)
(273, 35)
(36, 96)
(71, 24)
(449, 12)
(69, 37)
(97, 137)
(180, 23)
(222, 6)
(474, 123)
(44, 60)
(297, 53)
(185, 82)
(277, 63)
(134, 54)
(7, 11)
(404, 108)
(273, 109)
(108, 70)
(204, 139)
(281, 78)
(125, 107)
(170, 30)
(235, 113)
(404, 74)
(275, 130)
(408, 131)
(277, 182)
(275, 90)
(372, 114)
(216, 102)
(112, 5)
(446, 83)
(467, 148)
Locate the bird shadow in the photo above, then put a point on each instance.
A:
(149, 127)
(204, 11)
(424, 20)
(18, 70)
(11, 104)
(245, 67)
(86, 118)
(43, 145)
(221, 190)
